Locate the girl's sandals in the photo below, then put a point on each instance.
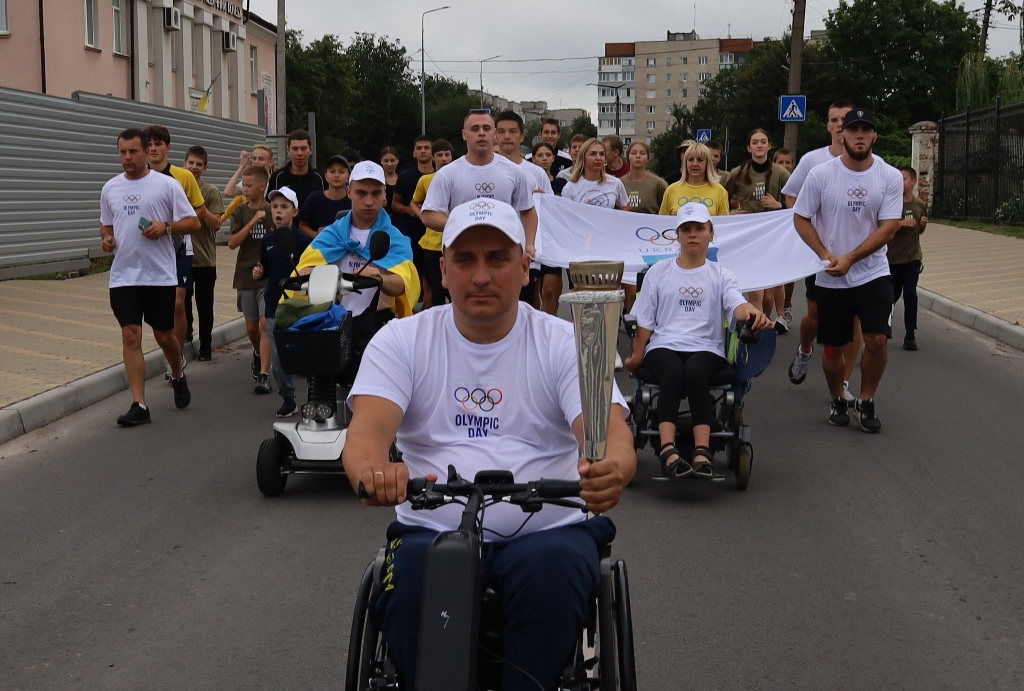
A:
(705, 467)
(677, 468)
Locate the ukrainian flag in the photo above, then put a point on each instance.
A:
(333, 242)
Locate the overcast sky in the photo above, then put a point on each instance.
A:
(473, 30)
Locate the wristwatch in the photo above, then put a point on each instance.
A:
(168, 226)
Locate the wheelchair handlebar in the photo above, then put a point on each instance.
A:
(349, 283)
(747, 333)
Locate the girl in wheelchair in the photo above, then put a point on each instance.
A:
(680, 336)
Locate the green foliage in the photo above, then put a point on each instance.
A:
(581, 125)
(664, 159)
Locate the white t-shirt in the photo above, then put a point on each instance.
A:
(809, 161)
(536, 178)
(507, 405)
(610, 194)
(460, 181)
(356, 303)
(139, 261)
(846, 207)
(683, 307)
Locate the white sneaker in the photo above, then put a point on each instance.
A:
(618, 361)
(781, 326)
(788, 316)
(798, 368)
(847, 396)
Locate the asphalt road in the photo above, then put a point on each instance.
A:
(147, 558)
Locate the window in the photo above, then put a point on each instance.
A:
(668, 77)
(626, 107)
(684, 60)
(668, 109)
(703, 60)
(652, 62)
(703, 77)
(92, 20)
(627, 141)
(628, 61)
(605, 124)
(630, 93)
(651, 78)
(668, 93)
(3, 16)
(628, 75)
(652, 93)
(651, 124)
(725, 58)
(685, 76)
(119, 43)
(254, 70)
(668, 62)
(684, 93)
(650, 110)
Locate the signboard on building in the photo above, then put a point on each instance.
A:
(230, 8)
(267, 104)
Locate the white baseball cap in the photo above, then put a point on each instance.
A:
(692, 211)
(367, 170)
(484, 212)
(286, 192)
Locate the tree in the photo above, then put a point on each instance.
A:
(581, 125)
(664, 159)
(319, 80)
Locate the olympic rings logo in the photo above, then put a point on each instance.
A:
(482, 205)
(687, 292)
(858, 193)
(658, 239)
(706, 201)
(478, 398)
(601, 201)
(485, 187)
(132, 198)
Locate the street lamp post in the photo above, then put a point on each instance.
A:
(618, 108)
(482, 77)
(423, 72)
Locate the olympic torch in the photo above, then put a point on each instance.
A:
(596, 302)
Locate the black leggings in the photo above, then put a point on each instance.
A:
(904, 282)
(205, 279)
(688, 373)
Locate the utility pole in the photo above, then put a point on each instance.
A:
(796, 60)
(984, 28)
(618, 112)
(279, 83)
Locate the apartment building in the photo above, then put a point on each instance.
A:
(663, 74)
(163, 52)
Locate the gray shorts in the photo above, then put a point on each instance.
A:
(250, 304)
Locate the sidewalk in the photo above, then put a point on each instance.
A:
(60, 346)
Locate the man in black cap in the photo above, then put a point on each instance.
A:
(847, 211)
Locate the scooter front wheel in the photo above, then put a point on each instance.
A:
(271, 475)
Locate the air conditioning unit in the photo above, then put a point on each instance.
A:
(230, 42)
(172, 19)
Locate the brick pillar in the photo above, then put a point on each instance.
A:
(924, 157)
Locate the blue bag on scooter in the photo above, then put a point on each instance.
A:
(321, 321)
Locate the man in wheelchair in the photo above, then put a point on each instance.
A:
(497, 388)
(680, 338)
(346, 243)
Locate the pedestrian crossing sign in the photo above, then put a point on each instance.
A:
(792, 108)
(703, 136)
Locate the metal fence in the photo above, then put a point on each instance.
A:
(981, 165)
(55, 155)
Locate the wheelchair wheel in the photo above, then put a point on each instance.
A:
(270, 465)
(368, 666)
(744, 458)
(616, 661)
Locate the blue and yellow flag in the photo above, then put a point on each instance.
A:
(333, 242)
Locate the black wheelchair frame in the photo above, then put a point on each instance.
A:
(602, 659)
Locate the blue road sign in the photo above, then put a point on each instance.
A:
(703, 136)
(792, 108)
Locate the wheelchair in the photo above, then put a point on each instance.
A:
(603, 657)
(730, 434)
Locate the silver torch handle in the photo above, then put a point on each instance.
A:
(596, 302)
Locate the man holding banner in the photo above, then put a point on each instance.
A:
(847, 211)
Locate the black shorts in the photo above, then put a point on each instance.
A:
(811, 288)
(546, 270)
(838, 308)
(184, 266)
(154, 304)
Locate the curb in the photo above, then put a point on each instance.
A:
(42, 409)
(982, 322)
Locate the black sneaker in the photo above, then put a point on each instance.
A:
(287, 408)
(256, 366)
(262, 384)
(909, 342)
(136, 415)
(182, 396)
(205, 352)
(839, 413)
(865, 412)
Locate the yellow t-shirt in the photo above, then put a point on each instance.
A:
(679, 193)
(431, 240)
(188, 182)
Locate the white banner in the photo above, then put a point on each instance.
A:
(763, 250)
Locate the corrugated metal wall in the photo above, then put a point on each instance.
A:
(55, 155)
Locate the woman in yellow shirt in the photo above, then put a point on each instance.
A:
(699, 185)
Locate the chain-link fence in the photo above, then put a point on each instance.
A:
(981, 165)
